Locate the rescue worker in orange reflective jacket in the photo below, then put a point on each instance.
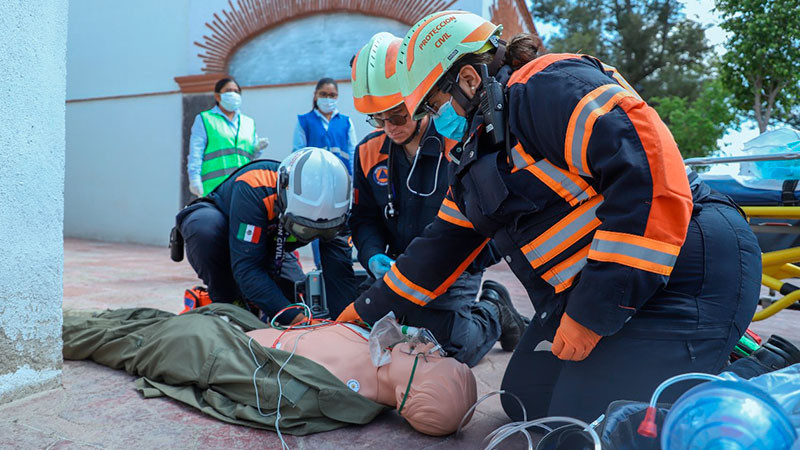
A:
(634, 274)
(399, 181)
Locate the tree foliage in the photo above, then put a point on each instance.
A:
(697, 125)
(762, 62)
(651, 42)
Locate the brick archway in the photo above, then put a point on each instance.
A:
(235, 26)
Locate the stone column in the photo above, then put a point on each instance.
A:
(33, 36)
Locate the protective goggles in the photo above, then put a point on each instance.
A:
(395, 119)
(307, 230)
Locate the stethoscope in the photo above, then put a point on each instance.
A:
(389, 211)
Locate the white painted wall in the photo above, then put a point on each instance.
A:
(32, 66)
(123, 169)
(127, 47)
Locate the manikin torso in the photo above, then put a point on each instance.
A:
(341, 350)
(442, 391)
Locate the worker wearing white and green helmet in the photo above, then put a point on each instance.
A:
(400, 178)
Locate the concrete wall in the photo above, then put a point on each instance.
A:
(32, 66)
(123, 168)
(126, 47)
(123, 154)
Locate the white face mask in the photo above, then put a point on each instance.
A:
(326, 105)
(230, 101)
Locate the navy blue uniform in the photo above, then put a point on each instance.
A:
(231, 240)
(591, 209)
(465, 328)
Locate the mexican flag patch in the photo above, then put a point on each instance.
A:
(249, 233)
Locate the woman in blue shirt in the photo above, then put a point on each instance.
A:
(325, 127)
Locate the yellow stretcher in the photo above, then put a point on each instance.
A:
(777, 265)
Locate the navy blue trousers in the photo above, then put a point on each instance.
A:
(691, 325)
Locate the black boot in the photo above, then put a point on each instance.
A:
(777, 353)
(512, 323)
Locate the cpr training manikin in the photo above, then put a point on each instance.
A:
(439, 394)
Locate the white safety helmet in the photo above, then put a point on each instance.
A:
(313, 194)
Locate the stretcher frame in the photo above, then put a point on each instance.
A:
(775, 265)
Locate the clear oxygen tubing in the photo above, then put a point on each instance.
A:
(648, 427)
(480, 400)
(523, 426)
(414, 166)
(678, 378)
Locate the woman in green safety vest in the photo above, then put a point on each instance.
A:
(222, 140)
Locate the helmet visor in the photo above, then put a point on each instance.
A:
(307, 230)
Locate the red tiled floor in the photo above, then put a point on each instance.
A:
(98, 407)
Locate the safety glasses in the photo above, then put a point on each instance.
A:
(395, 119)
(425, 107)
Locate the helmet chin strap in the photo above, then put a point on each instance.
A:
(413, 135)
(451, 86)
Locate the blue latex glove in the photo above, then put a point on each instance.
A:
(379, 264)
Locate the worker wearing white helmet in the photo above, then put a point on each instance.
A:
(239, 239)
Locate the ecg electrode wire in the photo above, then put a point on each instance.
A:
(277, 412)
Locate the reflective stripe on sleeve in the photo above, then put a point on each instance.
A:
(562, 275)
(634, 251)
(568, 186)
(521, 159)
(572, 188)
(449, 212)
(593, 105)
(569, 230)
(403, 287)
(621, 80)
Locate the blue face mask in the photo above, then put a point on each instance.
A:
(448, 123)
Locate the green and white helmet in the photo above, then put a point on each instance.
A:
(374, 74)
(433, 45)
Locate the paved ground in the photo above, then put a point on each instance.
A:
(98, 407)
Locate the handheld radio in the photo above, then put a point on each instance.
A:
(493, 105)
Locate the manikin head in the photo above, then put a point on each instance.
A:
(441, 392)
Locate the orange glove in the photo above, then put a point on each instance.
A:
(349, 314)
(573, 341)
